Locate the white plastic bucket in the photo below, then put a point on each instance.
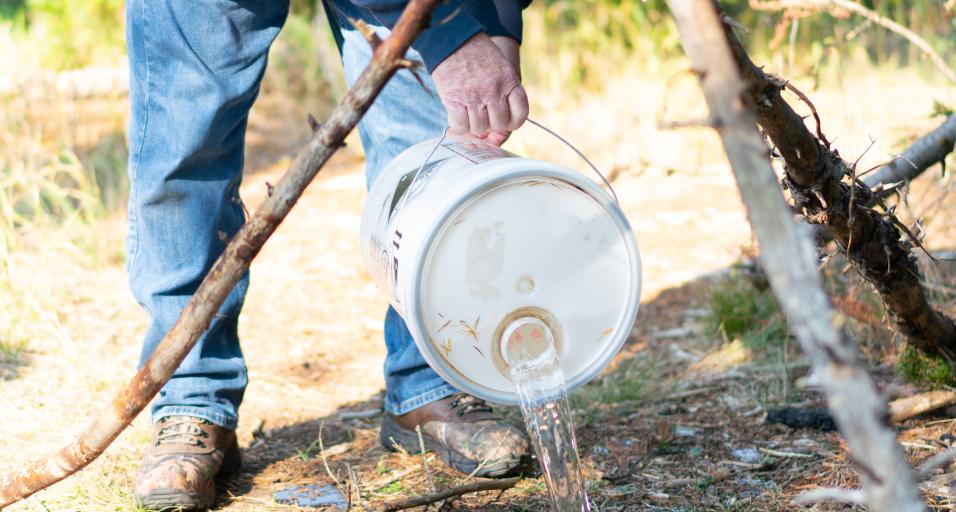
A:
(469, 241)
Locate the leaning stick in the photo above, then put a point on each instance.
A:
(387, 58)
(870, 15)
(477, 486)
(786, 252)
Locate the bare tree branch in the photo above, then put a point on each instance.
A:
(225, 273)
(870, 15)
(928, 150)
(787, 254)
(936, 461)
(476, 486)
(837, 494)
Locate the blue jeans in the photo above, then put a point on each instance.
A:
(195, 70)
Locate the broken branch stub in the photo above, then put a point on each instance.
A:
(225, 272)
(787, 254)
(814, 176)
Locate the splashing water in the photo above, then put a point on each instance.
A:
(542, 393)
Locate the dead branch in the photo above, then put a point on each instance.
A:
(786, 252)
(928, 150)
(912, 406)
(836, 494)
(476, 486)
(870, 15)
(225, 273)
(814, 176)
(935, 462)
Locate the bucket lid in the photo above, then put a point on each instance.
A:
(551, 247)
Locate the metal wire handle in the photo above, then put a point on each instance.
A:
(580, 154)
(411, 185)
(401, 207)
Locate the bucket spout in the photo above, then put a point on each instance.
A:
(527, 339)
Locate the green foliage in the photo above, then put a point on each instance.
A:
(941, 109)
(66, 34)
(575, 45)
(925, 369)
(740, 310)
(625, 385)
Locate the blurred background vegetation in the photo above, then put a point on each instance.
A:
(63, 150)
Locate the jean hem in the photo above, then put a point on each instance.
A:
(222, 420)
(433, 395)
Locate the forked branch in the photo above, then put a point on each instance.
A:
(225, 273)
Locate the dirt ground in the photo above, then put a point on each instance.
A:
(686, 432)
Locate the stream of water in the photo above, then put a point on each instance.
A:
(543, 396)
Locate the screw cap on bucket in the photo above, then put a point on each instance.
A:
(526, 338)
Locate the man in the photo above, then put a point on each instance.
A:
(195, 72)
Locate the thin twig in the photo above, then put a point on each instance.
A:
(355, 483)
(477, 486)
(325, 461)
(804, 98)
(428, 473)
(854, 179)
(936, 461)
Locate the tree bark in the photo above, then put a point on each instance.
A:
(388, 57)
(787, 254)
(928, 150)
(814, 175)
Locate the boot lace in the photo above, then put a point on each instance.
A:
(182, 430)
(464, 403)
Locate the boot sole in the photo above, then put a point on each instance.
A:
(175, 500)
(393, 436)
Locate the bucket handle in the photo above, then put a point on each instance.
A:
(580, 154)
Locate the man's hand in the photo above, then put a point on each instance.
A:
(481, 89)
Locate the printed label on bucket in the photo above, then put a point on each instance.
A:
(476, 152)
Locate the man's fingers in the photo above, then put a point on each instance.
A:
(499, 115)
(518, 104)
(497, 137)
(478, 120)
(457, 119)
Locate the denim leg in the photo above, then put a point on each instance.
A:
(403, 115)
(195, 69)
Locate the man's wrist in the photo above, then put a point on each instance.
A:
(452, 26)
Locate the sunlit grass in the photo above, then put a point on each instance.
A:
(739, 309)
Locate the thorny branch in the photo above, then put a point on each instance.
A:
(821, 185)
(225, 273)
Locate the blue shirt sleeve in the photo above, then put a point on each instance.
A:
(453, 23)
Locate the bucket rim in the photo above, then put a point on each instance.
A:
(515, 170)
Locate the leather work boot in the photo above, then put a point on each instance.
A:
(182, 463)
(464, 432)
